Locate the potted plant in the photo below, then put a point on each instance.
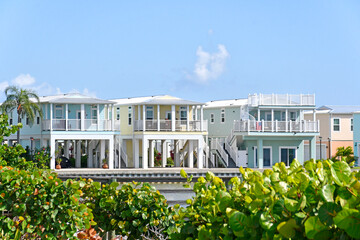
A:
(169, 162)
(105, 165)
(58, 160)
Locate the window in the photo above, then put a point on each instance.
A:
(336, 124)
(283, 116)
(183, 113)
(149, 113)
(293, 116)
(267, 116)
(94, 114)
(222, 116)
(212, 119)
(58, 111)
(351, 124)
(117, 113)
(27, 121)
(38, 120)
(11, 121)
(129, 115)
(287, 155)
(168, 115)
(266, 157)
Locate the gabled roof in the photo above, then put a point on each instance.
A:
(72, 98)
(338, 109)
(226, 103)
(155, 100)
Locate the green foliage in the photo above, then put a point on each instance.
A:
(130, 210)
(345, 154)
(319, 200)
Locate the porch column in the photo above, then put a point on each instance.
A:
(158, 117)
(82, 117)
(145, 153)
(201, 118)
(98, 117)
(78, 154)
(176, 153)
(52, 153)
(172, 117)
(66, 149)
(151, 153)
(163, 153)
(66, 116)
(111, 153)
(187, 118)
(51, 117)
(144, 117)
(258, 114)
(286, 119)
(313, 148)
(200, 154)
(260, 153)
(136, 153)
(191, 153)
(89, 154)
(139, 112)
(314, 115)
(196, 115)
(102, 151)
(272, 120)
(112, 117)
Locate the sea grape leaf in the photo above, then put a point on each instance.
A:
(237, 221)
(327, 212)
(327, 192)
(287, 229)
(313, 226)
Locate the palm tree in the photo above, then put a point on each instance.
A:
(23, 100)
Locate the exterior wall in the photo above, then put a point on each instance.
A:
(356, 135)
(345, 133)
(336, 144)
(219, 129)
(275, 149)
(125, 128)
(324, 119)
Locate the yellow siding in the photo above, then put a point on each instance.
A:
(125, 128)
(129, 152)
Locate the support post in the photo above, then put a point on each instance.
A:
(144, 153)
(52, 153)
(111, 153)
(151, 153)
(313, 148)
(173, 118)
(163, 153)
(66, 116)
(78, 154)
(200, 154)
(51, 117)
(102, 151)
(191, 154)
(187, 118)
(260, 153)
(136, 153)
(82, 117)
(158, 117)
(201, 118)
(144, 119)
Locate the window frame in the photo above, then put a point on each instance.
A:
(222, 115)
(336, 125)
(130, 115)
(59, 107)
(93, 116)
(149, 109)
(287, 147)
(183, 110)
(351, 124)
(255, 156)
(117, 113)
(212, 118)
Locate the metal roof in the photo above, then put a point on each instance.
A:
(155, 100)
(73, 98)
(345, 109)
(226, 103)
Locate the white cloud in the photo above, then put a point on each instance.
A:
(3, 85)
(23, 80)
(210, 65)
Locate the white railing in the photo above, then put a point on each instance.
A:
(282, 99)
(75, 125)
(124, 156)
(215, 144)
(232, 152)
(275, 126)
(166, 125)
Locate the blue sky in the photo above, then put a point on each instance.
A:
(198, 50)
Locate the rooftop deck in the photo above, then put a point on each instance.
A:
(255, 100)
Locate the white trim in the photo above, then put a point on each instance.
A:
(255, 150)
(287, 147)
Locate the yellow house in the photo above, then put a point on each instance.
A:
(168, 126)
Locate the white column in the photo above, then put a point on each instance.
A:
(201, 118)
(163, 153)
(172, 117)
(191, 153)
(66, 149)
(51, 116)
(196, 115)
(119, 157)
(52, 153)
(139, 112)
(151, 153)
(176, 153)
(258, 114)
(313, 148)
(144, 118)
(90, 154)
(144, 153)
(272, 120)
(82, 117)
(98, 117)
(200, 154)
(187, 118)
(314, 115)
(111, 153)
(260, 153)
(158, 117)
(66, 116)
(78, 154)
(102, 151)
(136, 152)
(286, 119)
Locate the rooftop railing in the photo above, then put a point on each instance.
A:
(276, 126)
(282, 99)
(166, 125)
(76, 125)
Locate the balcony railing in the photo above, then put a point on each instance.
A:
(75, 125)
(282, 100)
(166, 125)
(276, 126)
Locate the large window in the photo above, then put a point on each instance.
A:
(59, 111)
(130, 116)
(266, 157)
(183, 113)
(222, 116)
(287, 155)
(149, 113)
(94, 114)
(212, 119)
(336, 124)
(351, 124)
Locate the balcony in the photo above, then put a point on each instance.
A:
(281, 100)
(75, 125)
(276, 126)
(166, 125)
